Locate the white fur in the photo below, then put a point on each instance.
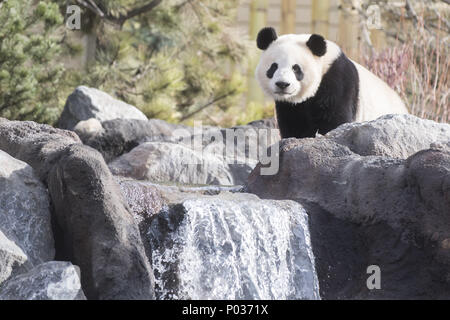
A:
(375, 96)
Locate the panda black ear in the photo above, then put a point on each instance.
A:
(265, 37)
(317, 45)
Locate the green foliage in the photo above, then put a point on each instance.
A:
(172, 62)
(29, 77)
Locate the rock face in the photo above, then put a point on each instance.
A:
(232, 246)
(25, 220)
(85, 103)
(396, 136)
(97, 231)
(145, 200)
(12, 258)
(54, 280)
(368, 209)
(39, 145)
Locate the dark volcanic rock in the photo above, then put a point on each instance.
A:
(371, 210)
(39, 145)
(144, 199)
(98, 233)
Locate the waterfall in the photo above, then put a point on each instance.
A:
(232, 247)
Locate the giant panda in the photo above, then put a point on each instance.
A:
(316, 87)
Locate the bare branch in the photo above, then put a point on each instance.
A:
(206, 105)
(89, 4)
(411, 12)
(145, 8)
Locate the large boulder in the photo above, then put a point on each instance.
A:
(369, 209)
(54, 280)
(39, 145)
(97, 231)
(119, 136)
(393, 135)
(170, 162)
(25, 219)
(85, 103)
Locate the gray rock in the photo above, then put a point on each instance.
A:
(371, 210)
(12, 258)
(144, 199)
(170, 162)
(394, 135)
(39, 145)
(270, 123)
(201, 157)
(54, 280)
(245, 140)
(85, 103)
(119, 136)
(232, 246)
(25, 217)
(98, 232)
(88, 128)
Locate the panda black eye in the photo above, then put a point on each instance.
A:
(271, 70)
(297, 71)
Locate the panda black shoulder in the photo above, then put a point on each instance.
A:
(334, 103)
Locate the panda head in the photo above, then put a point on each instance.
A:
(291, 66)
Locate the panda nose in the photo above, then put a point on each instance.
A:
(282, 85)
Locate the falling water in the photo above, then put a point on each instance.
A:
(236, 247)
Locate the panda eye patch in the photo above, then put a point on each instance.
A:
(297, 71)
(271, 70)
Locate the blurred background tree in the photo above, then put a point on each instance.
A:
(30, 78)
(410, 50)
(170, 58)
(174, 59)
(181, 60)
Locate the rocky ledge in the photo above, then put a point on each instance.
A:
(115, 209)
